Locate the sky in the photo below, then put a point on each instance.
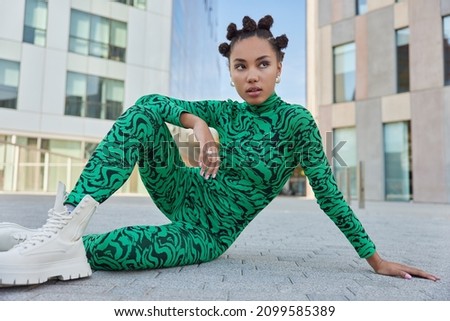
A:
(289, 18)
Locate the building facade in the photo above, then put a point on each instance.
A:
(377, 83)
(195, 63)
(69, 68)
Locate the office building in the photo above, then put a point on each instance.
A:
(377, 83)
(69, 68)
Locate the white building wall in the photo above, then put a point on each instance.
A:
(40, 113)
(43, 70)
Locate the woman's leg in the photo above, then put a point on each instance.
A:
(150, 247)
(141, 136)
(135, 136)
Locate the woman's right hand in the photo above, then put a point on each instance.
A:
(209, 160)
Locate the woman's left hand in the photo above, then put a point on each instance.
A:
(396, 269)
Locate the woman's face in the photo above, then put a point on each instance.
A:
(254, 68)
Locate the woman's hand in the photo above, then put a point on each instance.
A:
(209, 160)
(395, 269)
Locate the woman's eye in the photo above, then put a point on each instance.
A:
(239, 67)
(264, 64)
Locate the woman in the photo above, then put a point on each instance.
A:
(261, 142)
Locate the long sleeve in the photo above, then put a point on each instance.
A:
(171, 109)
(330, 199)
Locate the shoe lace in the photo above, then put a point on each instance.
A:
(20, 237)
(55, 222)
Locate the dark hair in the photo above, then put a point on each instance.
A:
(250, 29)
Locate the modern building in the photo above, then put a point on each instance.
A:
(69, 68)
(377, 84)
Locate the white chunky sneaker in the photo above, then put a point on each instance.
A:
(12, 234)
(55, 251)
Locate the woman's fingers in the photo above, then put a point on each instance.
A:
(405, 272)
(408, 272)
(209, 161)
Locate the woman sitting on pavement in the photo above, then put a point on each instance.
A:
(262, 140)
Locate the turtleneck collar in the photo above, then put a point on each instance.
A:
(270, 103)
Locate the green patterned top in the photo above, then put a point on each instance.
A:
(260, 145)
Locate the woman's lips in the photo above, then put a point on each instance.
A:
(253, 91)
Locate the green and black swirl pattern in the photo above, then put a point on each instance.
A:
(259, 148)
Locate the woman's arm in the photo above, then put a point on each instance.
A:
(171, 109)
(314, 162)
(197, 115)
(209, 154)
(316, 167)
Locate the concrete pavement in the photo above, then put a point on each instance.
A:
(290, 252)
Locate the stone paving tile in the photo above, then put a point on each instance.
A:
(290, 252)
(264, 295)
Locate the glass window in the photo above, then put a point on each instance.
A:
(344, 72)
(118, 40)
(141, 4)
(9, 83)
(446, 32)
(93, 96)
(402, 39)
(345, 160)
(79, 32)
(75, 94)
(114, 98)
(35, 27)
(97, 36)
(397, 161)
(361, 7)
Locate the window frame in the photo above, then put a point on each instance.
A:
(360, 8)
(345, 99)
(389, 196)
(29, 30)
(108, 50)
(133, 3)
(347, 172)
(402, 87)
(4, 88)
(446, 50)
(94, 103)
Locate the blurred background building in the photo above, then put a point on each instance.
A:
(69, 68)
(377, 79)
(377, 82)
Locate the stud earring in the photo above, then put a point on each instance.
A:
(231, 83)
(278, 79)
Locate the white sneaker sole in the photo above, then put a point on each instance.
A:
(71, 269)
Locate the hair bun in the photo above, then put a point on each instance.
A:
(248, 24)
(224, 49)
(265, 22)
(231, 31)
(282, 41)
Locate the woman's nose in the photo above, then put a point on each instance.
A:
(252, 77)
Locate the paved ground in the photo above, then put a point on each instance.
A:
(290, 252)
